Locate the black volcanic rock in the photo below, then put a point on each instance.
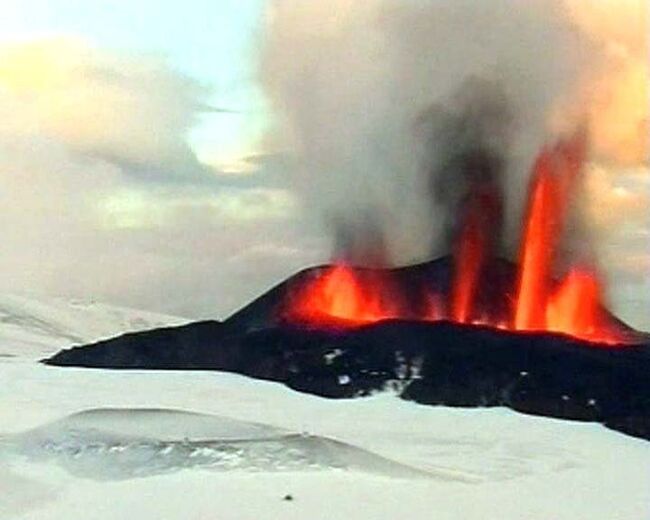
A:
(430, 363)
(182, 347)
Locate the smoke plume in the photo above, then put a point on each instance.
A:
(465, 147)
(402, 111)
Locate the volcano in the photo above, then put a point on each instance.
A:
(468, 329)
(436, 362)
(547, 290)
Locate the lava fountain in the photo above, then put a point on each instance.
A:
(537, 300)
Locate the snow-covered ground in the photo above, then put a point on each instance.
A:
(95, 444)
(30, 327)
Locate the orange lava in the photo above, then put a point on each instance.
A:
(481, 212)
(554, 175)
(536, 254)
(573, 308)
(340, 294)
(468, 263)
(570, 306)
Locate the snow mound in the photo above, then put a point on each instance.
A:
(117, 444)
(35, 327)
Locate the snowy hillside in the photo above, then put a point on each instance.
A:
(101, 445)
(39, 327)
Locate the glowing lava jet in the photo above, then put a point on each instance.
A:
(573, 304)
(540, 302)
(341, 294)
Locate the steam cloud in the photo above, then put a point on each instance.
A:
(400, 109)
(96, 174)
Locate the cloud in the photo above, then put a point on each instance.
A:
(618, 198)
(135, 208)
(102, 197)
(137, 110)
(616, 86)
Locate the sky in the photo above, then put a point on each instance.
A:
(178, 156)
(126, 127)
(212, 42)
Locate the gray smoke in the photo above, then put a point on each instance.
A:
(465, 149)
(360, 241)
(400, 109)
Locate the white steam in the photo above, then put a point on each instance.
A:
(350, 80)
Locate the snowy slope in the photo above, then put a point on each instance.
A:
(248, 444)
(39, 327)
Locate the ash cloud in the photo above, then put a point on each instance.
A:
(361, 241)
(465, 145)
(376, 99)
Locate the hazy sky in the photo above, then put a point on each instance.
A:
(124, 126)
(140, 140)
(214, 42)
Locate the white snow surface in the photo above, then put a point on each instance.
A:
(98, 444)
(42, 326)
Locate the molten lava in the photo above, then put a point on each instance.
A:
(481, 211)
(468, 263)
(555, 174)
(572, 305)
(573, 308)
(340, 294)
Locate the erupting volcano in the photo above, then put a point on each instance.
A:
(413, 141)
(537, 299)
(468, 329)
